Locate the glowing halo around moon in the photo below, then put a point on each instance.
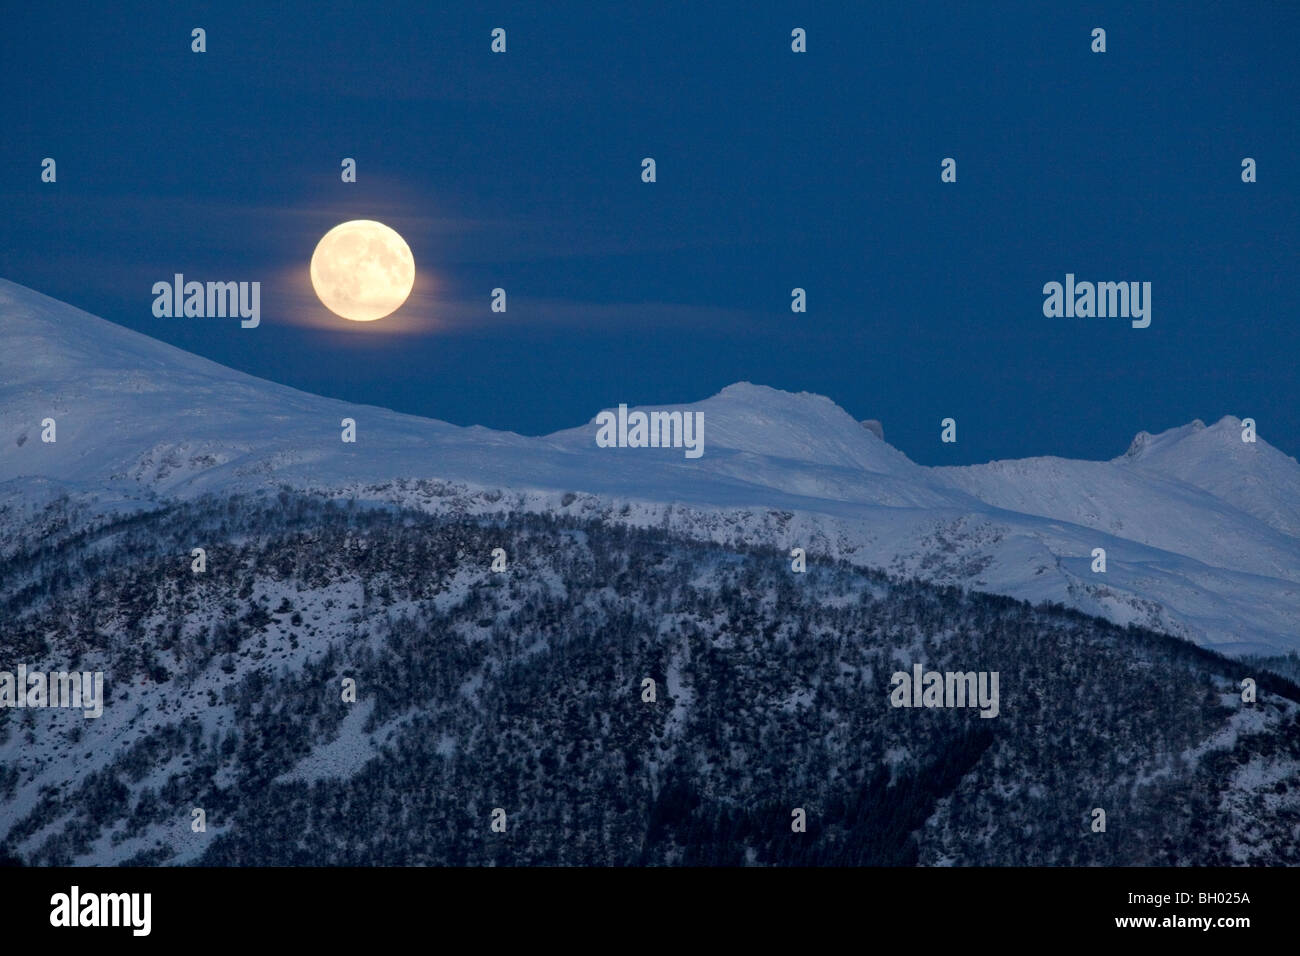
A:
(362, 270)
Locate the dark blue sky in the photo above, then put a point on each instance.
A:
(775, 170)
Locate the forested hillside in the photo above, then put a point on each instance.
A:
(524, 690)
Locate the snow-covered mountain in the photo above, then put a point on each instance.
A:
(1201, 530)
(473, 688)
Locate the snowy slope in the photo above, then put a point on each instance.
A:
(1252, 476)
(1201, 534)
(1144, 506)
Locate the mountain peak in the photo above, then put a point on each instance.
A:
(754, 394)
(1253, 475)
(1139, 444)
(802, 426)
(762, 421)
(874, 426)
(1145, 444)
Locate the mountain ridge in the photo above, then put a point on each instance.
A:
(1202, 537)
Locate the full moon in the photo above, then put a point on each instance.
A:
(362, 270)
